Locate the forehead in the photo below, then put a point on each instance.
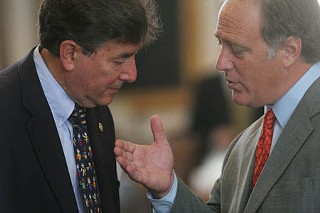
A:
(239, 19)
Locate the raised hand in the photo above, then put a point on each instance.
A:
(150, 165)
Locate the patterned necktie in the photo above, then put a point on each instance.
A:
(84, 161)
(264, 145)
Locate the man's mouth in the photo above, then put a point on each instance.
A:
(231, 84)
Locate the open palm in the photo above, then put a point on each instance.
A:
(150, 165)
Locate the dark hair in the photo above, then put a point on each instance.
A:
(298, 18)
(91, 23)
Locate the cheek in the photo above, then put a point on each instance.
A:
(264, 83)
(98, 76)
(86, 81)
(85, 72)
(100, 82)
(246, 76)
(105, 73)
(254, 75)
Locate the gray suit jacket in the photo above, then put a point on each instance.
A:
(290, 181)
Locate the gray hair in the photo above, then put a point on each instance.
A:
(298, 18)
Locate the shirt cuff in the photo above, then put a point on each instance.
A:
(164, 204)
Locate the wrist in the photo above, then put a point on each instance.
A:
(162, 193)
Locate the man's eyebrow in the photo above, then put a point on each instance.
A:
(228, 41)
(221, 39)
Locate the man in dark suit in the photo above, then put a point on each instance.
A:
(270, 53)
(86, 53)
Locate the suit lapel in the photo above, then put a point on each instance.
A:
(237, 171)
(244, 185)
(101, 133)
(293, 136)
(45, 138)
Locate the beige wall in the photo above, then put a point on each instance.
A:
(18, 30)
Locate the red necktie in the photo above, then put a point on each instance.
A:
(264, 144)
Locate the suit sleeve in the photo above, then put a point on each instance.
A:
(187, 202)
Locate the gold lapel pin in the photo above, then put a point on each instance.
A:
(100, 127)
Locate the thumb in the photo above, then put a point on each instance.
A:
(157, 129)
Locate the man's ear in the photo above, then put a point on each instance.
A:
(68, 54)
(292, 51)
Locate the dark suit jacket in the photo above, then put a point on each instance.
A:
(290, 180)
(33, 171)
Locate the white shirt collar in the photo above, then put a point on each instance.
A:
(286, 105)
(60, 103)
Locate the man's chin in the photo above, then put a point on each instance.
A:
(95, 103)
(238, 99)
(105, 101)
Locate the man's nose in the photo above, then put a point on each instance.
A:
(129, 72)
(224, 61)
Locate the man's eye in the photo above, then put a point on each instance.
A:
(119, 62)
(238, 51)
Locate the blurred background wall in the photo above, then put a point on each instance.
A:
(184, 55)
(18, 28)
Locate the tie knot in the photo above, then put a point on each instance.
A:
(269, 119)
(78, 115)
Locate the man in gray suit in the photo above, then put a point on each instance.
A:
(269, 56)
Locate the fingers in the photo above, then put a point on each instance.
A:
(123, 151)
(124, 156)
(128, 168)
(125, 145)
(157, 129)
